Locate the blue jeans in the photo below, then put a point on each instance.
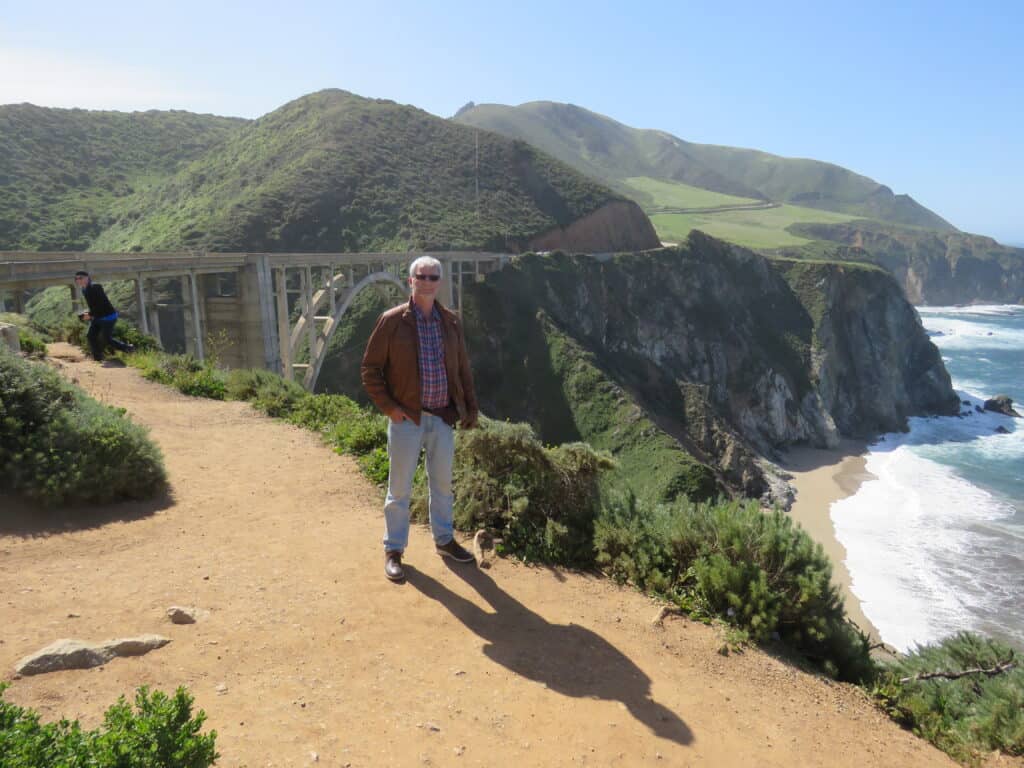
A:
(405, 440)
(101, 336)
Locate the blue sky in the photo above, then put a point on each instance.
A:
(927, 98)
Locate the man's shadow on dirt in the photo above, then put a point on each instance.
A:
(569, 659)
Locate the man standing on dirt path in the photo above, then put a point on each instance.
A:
(101, 318)
(416, 370)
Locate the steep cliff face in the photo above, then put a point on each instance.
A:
(873, 363)
(717, 348)
(933, 268)
(616, 226)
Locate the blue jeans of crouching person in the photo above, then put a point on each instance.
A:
(101, 336)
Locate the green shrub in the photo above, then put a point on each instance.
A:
(267, 391)
(31, 343)
(967, 717)
(321, 413)
(32, 339)
(542, 501)
(183, 372)
(363, 432)
(375, 465)
(57, 444)
(206, 382)
(754, 569)
(160, 732)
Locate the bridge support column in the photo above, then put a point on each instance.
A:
(283, 326)
(194, 320)
(154, 323)
(262, 290)
(140, 300)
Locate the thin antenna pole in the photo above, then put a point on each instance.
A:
(476, 172)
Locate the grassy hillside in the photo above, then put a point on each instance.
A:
(61, 170)
(767, 228)
(333, 171)
(674, 194)
(616, 153)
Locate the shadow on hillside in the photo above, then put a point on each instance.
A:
(30, 520)
(569, 659)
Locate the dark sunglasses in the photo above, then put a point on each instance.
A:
(431, 278)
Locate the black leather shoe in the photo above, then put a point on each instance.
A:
(393, 566)
(455, 551)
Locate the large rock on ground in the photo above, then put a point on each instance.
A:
(78, 654)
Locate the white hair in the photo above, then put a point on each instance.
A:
(426, 261)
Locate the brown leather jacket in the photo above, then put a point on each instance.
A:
(391, 369)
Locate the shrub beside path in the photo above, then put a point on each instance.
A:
(307, 650)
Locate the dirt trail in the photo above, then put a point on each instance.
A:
(278, 538)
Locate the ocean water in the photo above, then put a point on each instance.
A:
(935, 543)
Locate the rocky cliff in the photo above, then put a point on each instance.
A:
(616, 226)
(933, 267)
(702, 358)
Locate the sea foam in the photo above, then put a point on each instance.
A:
(935, 541)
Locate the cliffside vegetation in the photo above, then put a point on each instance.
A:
(63, 170)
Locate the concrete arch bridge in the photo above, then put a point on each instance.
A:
(269, 308)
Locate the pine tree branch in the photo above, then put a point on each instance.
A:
(998, 669)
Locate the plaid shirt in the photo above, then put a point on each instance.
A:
(433, 378)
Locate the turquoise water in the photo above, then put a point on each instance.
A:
(935, 542)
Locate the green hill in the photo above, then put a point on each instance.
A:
(333, 171)
(619, 154)
(61, 170)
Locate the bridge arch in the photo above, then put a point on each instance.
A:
(318, 353)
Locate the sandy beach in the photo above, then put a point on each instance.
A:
(821, 477)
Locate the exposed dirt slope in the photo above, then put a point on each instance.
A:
(278, 538)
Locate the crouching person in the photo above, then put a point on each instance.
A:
(101, 318)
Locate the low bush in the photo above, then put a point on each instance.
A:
(321, 413)
(267, 391)
(754, 569)
(31, 338)
(159, 732)
(966, 717)
(541, 501)
(58, 444)
(183, 372)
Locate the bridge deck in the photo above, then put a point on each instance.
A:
(27, 269)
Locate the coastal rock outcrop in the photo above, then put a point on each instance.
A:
(938, 268)
(1001, 404)
(730, 355)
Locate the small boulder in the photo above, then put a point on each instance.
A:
(1001, 404)
(979, 409)
(181, 615)
(78, 654)
(965, 402)
(1002, 430)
